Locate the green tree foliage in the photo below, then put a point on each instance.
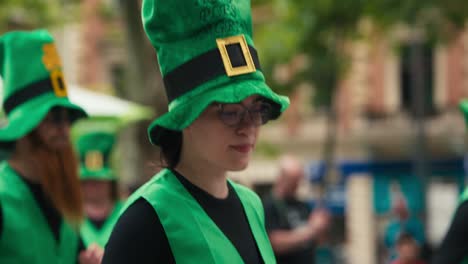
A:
(16, 14)
(321, 28)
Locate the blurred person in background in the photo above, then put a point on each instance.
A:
(40, 198)
(454, 247)
(402, 221)
(292, 227)
(408, 250)
(190, 212)
(98, 185)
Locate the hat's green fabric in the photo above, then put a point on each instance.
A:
(94, 150)
(33, 82)
(182, 31)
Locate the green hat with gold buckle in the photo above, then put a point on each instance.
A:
(33, 82)
(94, 150)
(206, 54)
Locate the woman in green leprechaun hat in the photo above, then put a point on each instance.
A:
(218, 99)
(98, 185)
(454, 247)
(40, 198)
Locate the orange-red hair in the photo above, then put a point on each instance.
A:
(58, 170)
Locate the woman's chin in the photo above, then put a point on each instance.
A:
(239, 166)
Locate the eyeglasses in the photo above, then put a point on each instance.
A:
(58, 116)
(232, 115)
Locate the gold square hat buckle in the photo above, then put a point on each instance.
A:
(94, 160)
(238, 70)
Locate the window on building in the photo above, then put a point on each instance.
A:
(406, 83)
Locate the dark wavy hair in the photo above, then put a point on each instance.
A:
(171, 146)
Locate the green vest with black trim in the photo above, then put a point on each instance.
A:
(91, 234)
(26, 236)
(193, 236)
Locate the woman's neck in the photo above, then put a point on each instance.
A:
(212, 181)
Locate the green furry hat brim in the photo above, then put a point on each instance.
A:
(183, 111)
(25, 118)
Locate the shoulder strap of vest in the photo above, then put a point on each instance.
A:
(178, 210)
(464, 195)
(256, 217)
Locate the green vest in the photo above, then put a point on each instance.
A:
(26, 236)
(91, 234)
(193, 236)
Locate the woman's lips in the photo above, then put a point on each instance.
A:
(245, 148)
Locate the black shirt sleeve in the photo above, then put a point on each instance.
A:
(454, 247)
(138, 237)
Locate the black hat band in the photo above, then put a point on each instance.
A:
(55, 84)
(204, 68)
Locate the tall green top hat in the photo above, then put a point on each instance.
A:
(33, 82)
(94, 150)
(206, 54)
